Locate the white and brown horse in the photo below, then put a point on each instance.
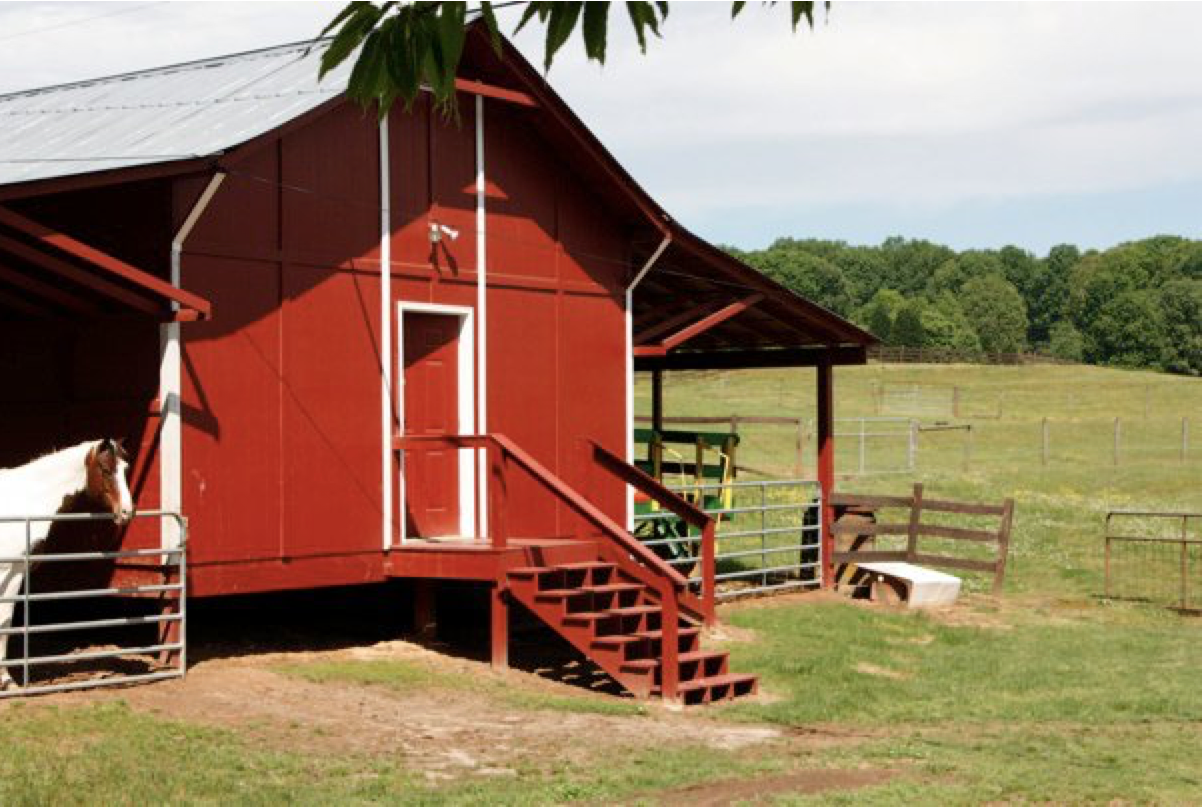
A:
(92, 473)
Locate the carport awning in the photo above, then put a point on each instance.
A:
(699, 308)
(45, 273)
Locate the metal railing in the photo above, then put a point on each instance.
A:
(171, 619)
(1164, 566)
(769, 537)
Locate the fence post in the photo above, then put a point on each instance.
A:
(915, 515)
(1044, 454)
(863, 444)
(912, 447)
(1184, 562)
(1184, 438)
(1117, 432)
(801, 444)
(956, 401)
(1106, 578)
(968, 446)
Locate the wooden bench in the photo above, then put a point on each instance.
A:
(855, 537)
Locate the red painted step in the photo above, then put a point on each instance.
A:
(615, 622)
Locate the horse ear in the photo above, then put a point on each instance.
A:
(107, 447)
(122, 452)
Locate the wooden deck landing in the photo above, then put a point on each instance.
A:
(473, 559)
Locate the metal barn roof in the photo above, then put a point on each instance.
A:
(181, 112)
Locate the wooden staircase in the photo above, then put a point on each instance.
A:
(616, 622)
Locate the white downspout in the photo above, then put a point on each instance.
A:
(386, 390)
(481, 323)
(663, 245)
(171, 436)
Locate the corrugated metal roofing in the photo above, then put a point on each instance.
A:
(172, 113)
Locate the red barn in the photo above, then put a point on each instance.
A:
(352, 350)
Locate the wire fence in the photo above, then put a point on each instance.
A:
(69, 637)
(1155, 557)
(768, 537)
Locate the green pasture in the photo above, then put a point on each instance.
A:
(1051, 694)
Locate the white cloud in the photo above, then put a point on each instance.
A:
(898, 105)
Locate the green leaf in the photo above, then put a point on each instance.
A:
(736, 8)
(802, 10)
(561, 22)
(595, 28)
(490, 22)
(643, 16)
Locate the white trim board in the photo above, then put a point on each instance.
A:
(467, 405)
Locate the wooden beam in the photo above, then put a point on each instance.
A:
(98, 179)
(717, 318)
(44, 291)
(739, 358)
(14, 303)
(658, 329)
(79, 276)
(105, 262)
(492, 91)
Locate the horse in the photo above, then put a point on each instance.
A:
(93, 473)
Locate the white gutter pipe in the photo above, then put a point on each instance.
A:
(171, 438)
(663, 245)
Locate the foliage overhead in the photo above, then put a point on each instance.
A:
(401, 48)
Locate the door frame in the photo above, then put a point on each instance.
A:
(466, 378)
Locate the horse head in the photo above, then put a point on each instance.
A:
(107, 465)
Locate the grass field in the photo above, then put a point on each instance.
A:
(1050, 694)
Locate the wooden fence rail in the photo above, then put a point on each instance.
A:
(859, 533)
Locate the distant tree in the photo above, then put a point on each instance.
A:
(997, 313)
(907, 325)
(909, 263)
(879, 313)
(1046, 306)
(952, 274)
(864, 270)
(1128, 331)
(1066, 342)
(1181, 304)
(945, 325)
(808, 275)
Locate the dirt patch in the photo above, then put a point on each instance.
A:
(443, 733)
(876, 670)
(760, 790)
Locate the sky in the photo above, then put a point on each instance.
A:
(970, 124)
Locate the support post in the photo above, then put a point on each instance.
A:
(424, 624)
(657, 401)
(826, 463)
(499, 611)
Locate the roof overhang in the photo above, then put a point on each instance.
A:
(47, 273)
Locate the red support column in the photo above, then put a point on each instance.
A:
(499, 610)
(424, 625)
(826, 463)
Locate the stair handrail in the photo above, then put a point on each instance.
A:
(649, 569)
(667, 498)
(563, 492)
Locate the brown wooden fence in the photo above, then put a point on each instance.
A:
(859, 534)
(897, 354)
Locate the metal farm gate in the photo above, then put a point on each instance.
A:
(768, 538)
(112, 663)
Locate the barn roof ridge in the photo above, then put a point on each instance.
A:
(174, 67)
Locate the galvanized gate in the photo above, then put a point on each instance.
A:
(769, 537)
(164, 658)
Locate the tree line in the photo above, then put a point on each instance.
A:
(1138, 304)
